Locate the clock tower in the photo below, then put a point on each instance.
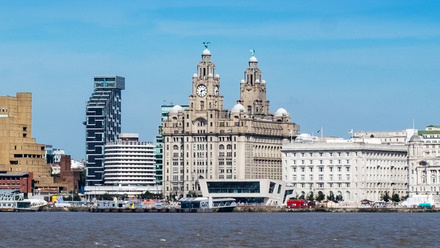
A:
(206, 86)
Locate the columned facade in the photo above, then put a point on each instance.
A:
(206, 141)
(347, 171)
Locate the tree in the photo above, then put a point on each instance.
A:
(331, 196)
(106, 197)
(320, 196)
(386, 197)
(339, 198)
(310, 196)
(395, 198)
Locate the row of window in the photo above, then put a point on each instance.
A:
(320, 168)
(320, 177)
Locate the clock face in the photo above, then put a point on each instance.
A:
(216, 90)
(201, 90)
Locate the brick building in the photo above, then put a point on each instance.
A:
(17, 181)
(68, 177)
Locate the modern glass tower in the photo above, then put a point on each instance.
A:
(103, 124)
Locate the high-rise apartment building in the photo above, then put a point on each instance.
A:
(103, 124)
(129, 168)
(206, 141)
(129, 162)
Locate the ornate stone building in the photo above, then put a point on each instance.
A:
(347, 170)
(424, 162)
(206, 141)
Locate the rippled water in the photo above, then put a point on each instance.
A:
(55, 229)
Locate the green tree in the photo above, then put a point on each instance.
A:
(339, 198)
(320, 196)
(106, 197)
(331, 196)
(310, 196)
(395, 198)
(386, 197)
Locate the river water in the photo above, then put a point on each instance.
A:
(83, 229)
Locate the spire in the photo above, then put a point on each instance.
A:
(205, 67)
(253, 62)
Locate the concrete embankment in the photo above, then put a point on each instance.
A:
(261, 209)
(332, 210)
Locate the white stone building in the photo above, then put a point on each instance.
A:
(424, 162)
(349, 170)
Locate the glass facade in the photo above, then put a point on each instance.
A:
(103, 124)
(233, 187)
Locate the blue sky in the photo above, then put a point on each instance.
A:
(340, 65)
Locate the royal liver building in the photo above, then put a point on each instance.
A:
(206, 141)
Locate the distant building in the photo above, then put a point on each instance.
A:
(19, 152)
(424, 162)
(129, 168)
(17, 181)
(207, 141)
(347, 170)
(68, 176)
(103, 124)
(53, 155)
(159, 142)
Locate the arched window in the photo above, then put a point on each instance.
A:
(221, 147)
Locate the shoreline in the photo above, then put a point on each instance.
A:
(246, 209)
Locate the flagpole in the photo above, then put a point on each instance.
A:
(322, 132)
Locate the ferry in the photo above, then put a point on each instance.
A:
(14, 201)
(9, 199)
(33, 204)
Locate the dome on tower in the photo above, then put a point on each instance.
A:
(253, 59)
(238, 108)
(281, 112)
(415, 138)
(206, 52)
(176, 109)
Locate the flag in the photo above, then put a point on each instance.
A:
(319, 131)
(290, 132)
(350, 131)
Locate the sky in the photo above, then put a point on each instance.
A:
(339, 65)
